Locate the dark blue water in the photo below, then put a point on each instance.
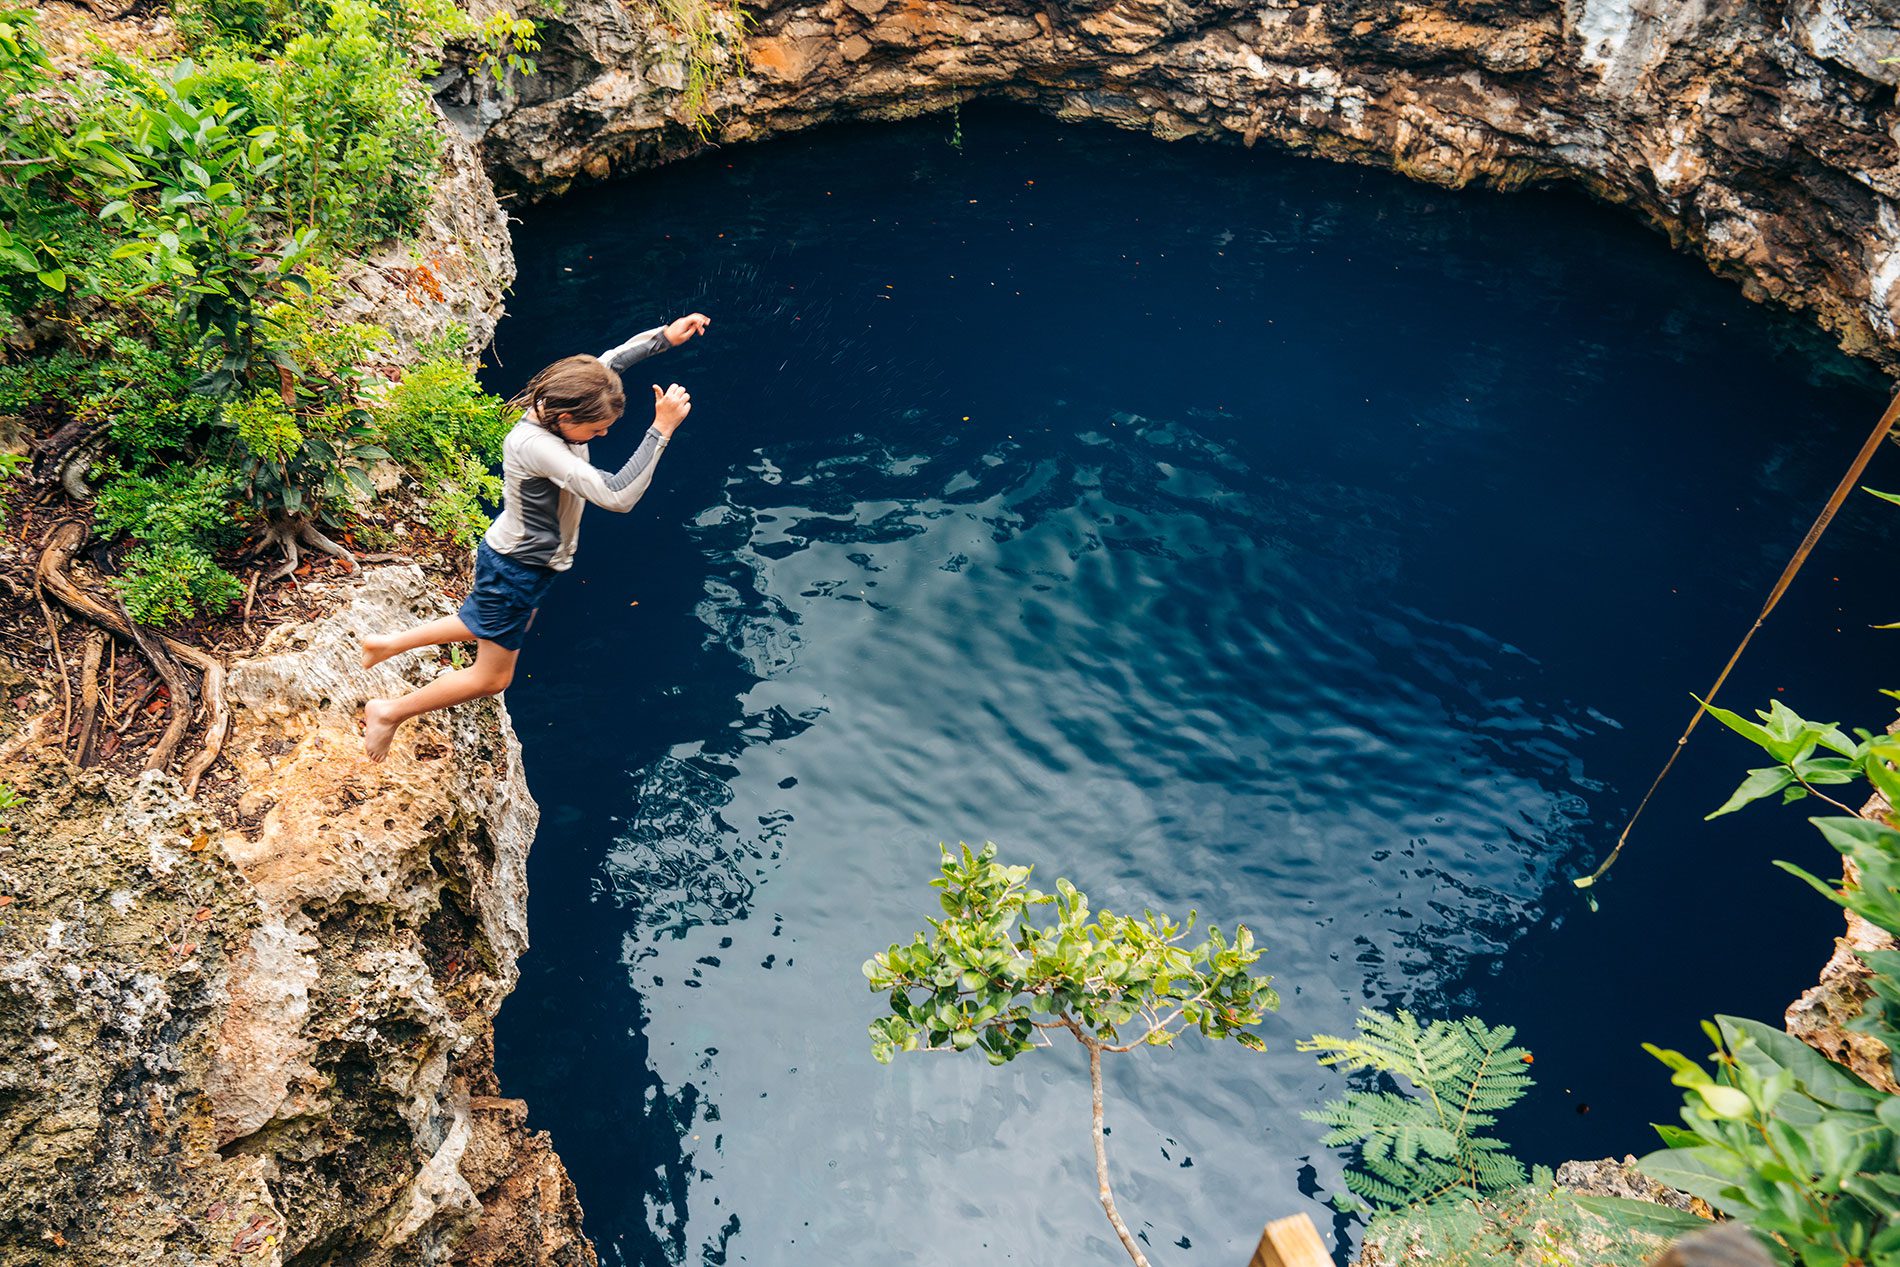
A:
(1218, 529)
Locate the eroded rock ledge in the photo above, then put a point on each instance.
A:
(270, 1042)
(1760, 135)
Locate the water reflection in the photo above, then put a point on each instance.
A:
(1127, 655)
(1335, 558)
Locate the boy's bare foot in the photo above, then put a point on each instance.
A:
(376, 649)
(378, 727)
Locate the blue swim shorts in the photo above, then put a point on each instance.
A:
(506, 595)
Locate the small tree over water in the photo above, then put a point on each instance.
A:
(987, 977)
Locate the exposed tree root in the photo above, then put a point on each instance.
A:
(250, 597)
(72, 470)
(59, 662)
(184, 706)
(161, 652)
(217, 724)
(109, 698)
(288, 536)
(89, 696)
(288, 542)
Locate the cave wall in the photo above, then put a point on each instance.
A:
(1758, 135)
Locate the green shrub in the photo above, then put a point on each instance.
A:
(444, 427)
(173, 221)
(170, 582)
(144, 394)
(264, 426)
(178, 517)
(306, 456)
(1774, 1134)
(265, 26)
(180, 506)
(456, 502)
(1009, 966)
(199, 210)
(306, 464)
(340, 84)
(439, 413)
(51, 150)
(57, 380)
(352, 121)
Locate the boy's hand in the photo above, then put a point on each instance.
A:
(683, 328)
(670, 407)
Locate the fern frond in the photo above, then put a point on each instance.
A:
(1367, 1113)
(1375, 1190)
(1425, 1147)
(1496, 1172)
(1497, 1075)
(1396, 1044)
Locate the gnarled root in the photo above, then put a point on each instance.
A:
(163, 654)
(72, 465)
(289, 536)
(217, 726)
(89, 696)
(184, 707)
(317, 541)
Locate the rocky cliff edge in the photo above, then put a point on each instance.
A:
(261, 1033)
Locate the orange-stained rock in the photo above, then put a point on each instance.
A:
(1759, 135)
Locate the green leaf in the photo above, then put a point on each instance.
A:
(1740, 725)
(1687, 1073)
(1824, 889)
(1885, 497)
(53, 279)
(1676, 1137)
(1702, 1171)
(1820, 1077)
(1853, 835)
(1882, 775)
(1725, 1102)
(1826, 770)
(1759, 784)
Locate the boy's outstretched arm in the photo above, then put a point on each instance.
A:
(659, 339)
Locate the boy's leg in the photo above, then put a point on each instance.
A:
(493, 669)
(379, 647)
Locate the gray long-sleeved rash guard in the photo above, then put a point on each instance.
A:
(546, 481)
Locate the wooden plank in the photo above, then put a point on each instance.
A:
(1291, 1242)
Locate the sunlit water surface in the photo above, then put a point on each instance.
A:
(1221, 530)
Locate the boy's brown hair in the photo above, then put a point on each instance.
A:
(579, 386)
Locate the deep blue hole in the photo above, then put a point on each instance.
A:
(1219, 529)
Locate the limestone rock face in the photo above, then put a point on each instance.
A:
(1821, 1015)
(454, 272)
(1760, 135)
(272, 1039)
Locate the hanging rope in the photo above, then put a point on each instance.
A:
(1801, 553)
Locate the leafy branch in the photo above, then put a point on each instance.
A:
(990, 977)
(1793, 741)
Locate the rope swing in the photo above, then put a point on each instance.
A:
(1801, 553)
